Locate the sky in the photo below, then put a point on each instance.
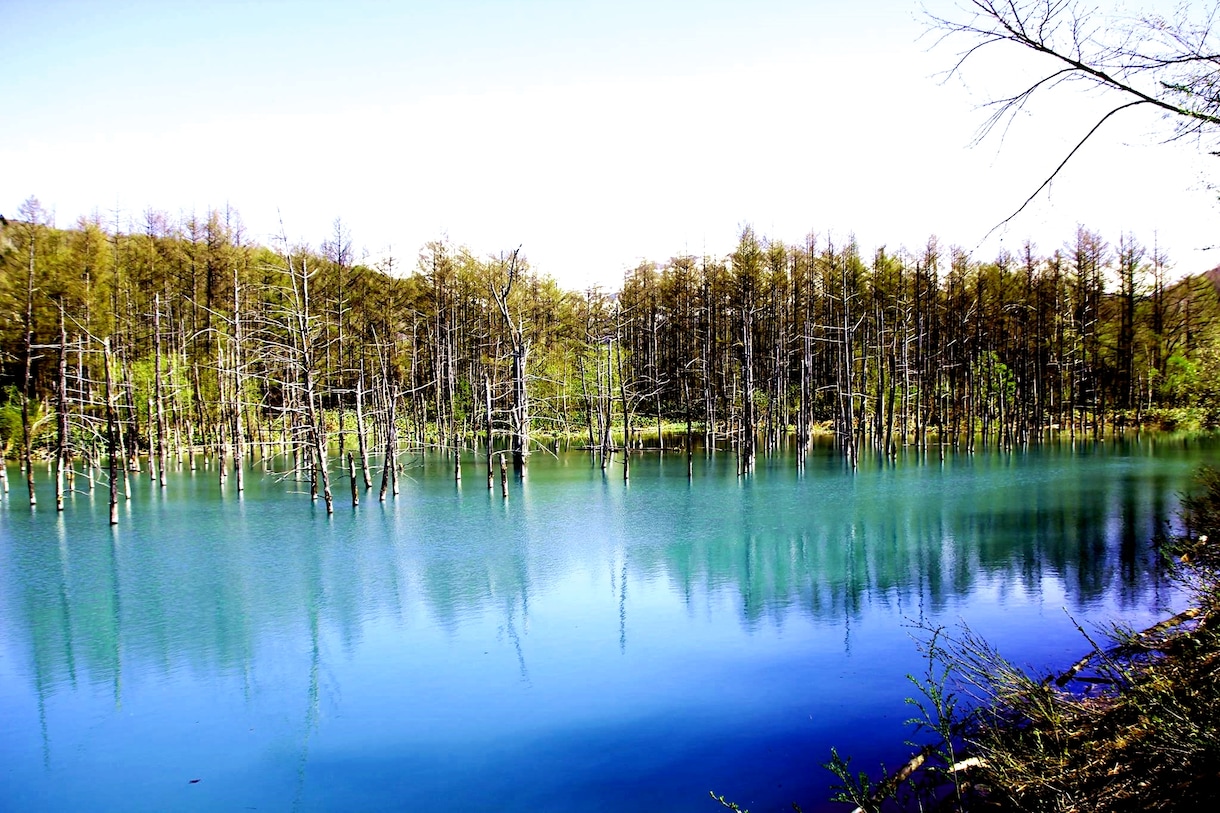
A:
(592, 134)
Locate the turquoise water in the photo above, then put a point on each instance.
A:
(584, 645)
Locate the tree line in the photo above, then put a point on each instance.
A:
(161, 338)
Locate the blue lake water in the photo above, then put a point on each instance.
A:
(584, 645)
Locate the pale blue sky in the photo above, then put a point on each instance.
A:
(594, 133)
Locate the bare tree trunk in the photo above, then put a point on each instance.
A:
(749, 430)
(849, 364)
(238, 383)
(132, 437)
(890, 451)
(584, 391)
(27, 450)
(709, 404)
(804, 432)
(362, 441)
(62, 454)
(222, 409)
(520, 351)
(521, 417)
(125, 466)
(606, 405)
(200, 421)
(313, 411)
(487, 402)
(111, 436)
(387, 459)
(690, 450)
(622, 386)
(318, 436)
(391, 456)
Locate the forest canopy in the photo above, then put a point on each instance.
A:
(210, 338)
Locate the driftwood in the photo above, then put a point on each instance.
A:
(1155, 629)
(890, 783)
(898, 777)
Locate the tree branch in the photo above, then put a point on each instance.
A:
(1062, 164)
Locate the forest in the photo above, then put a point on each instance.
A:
(167, 337)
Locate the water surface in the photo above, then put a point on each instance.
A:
(583, 645)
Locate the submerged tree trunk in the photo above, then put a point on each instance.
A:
(749, 429)
(487, 394)
(313, 412)
(235, 428)
(690, 451)
(62, 453)
(622, 386)
(362, 440)
(112, 444)
(520, 412)
(520, 351)
(27, 441)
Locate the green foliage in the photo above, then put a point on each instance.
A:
(1206, 390)
(143, 375)
(1176, 419)
(10, 419)
(856, 788)
(10, 423)
(997, 378)
(727, 804)
(990, 339)
(937, 704)
(1202, 505)
(1180, 380)
(463, 398)
(1195, 555)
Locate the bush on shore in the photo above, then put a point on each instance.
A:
(1131, 726)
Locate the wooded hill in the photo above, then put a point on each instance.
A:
(168, 336)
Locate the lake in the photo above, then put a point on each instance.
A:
(584, 645)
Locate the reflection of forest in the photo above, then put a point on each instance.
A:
(934, 550)
(86, 602)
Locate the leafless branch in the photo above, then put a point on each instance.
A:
(1171, 65)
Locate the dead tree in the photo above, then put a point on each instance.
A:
(31, 210)
(112, 435)
(62, 453)
(301, 329)
(362, 440)
(519, 346)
